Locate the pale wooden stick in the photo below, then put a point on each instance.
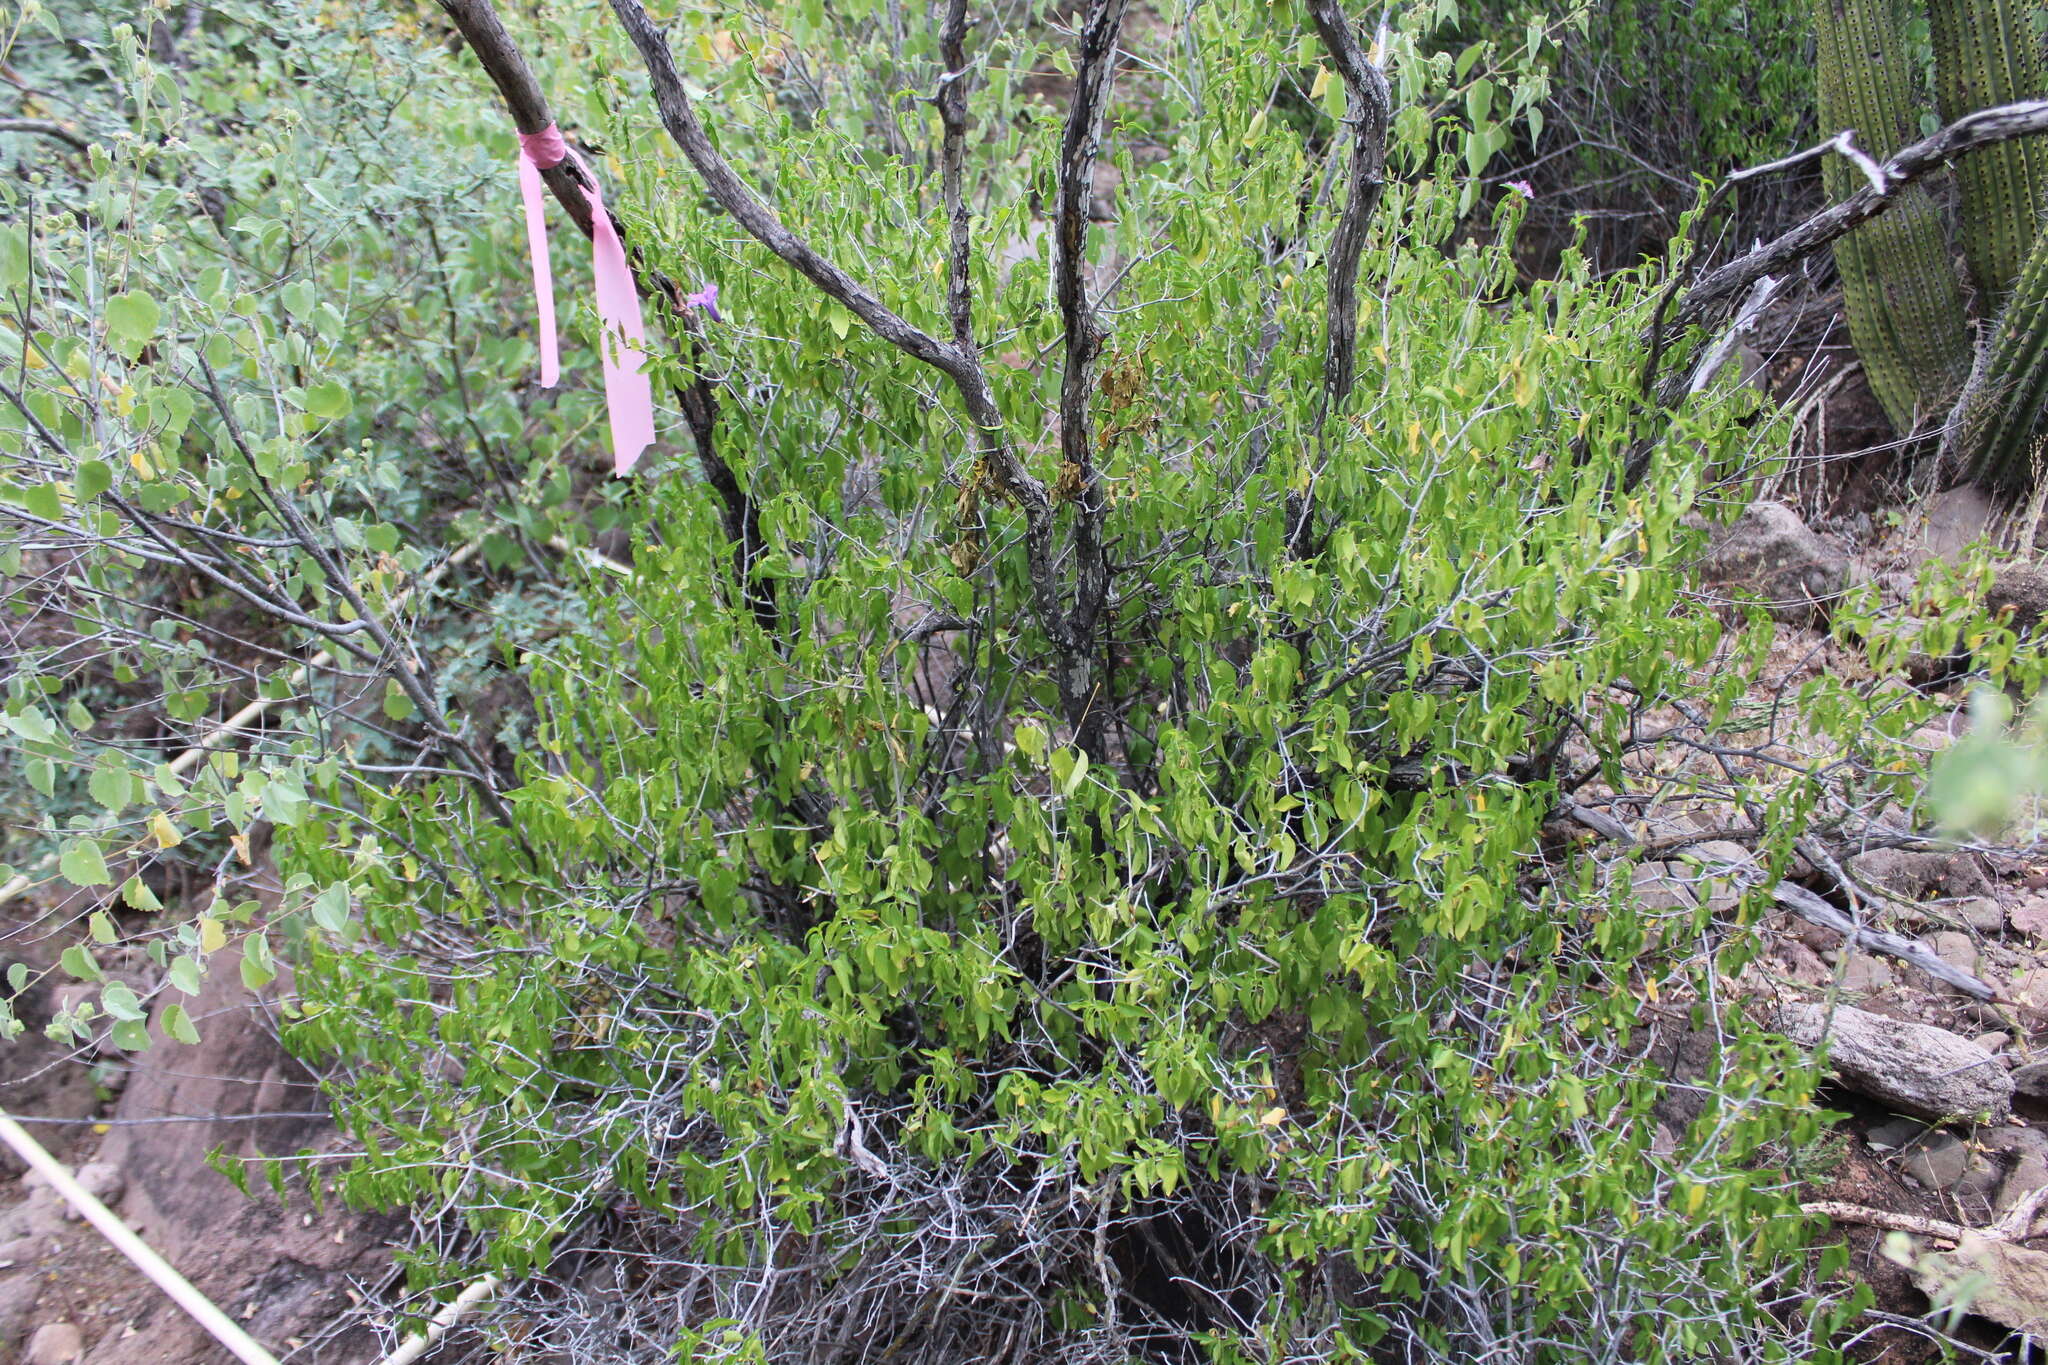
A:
(161, 1272)
(418, 1343)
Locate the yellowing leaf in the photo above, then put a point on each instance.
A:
(1322, 83)
(212, 938)
(1273, 1117)
(166, 833)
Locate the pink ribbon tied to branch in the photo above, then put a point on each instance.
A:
(628, 393)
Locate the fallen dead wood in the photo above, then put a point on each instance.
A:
(1814, 910)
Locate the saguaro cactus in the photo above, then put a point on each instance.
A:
(1993, 431)
(1907, 313)
(1905, 307)
(1986, 53)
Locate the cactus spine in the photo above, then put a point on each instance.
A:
(1905, 307)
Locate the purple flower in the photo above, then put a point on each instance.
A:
(707, 299)
(1522, 188)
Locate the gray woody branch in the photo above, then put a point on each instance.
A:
(1368, 105)
(1722, 288)
(1368, 109)
(1095, 77)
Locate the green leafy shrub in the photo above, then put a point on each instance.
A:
(1645, 97)
(1259, 1026)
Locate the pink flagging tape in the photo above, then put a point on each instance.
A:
(629, 394)
(537, 152)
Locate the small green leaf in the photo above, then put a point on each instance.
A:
(45, 500)
(94, 478)
(298, 298)
(78, 960)
(130, 1036)
(119, 999)
(1070, 782)
(17, 976)
(186, 974)
(133, 316)
(14, 258)
(135, 893)
(1030, 738)
(284, 801)
(111, 784)
(330, 908)
(329, 401)
(102, 926)
(83, 864)
(258, 968)
(178, 1025)
(397, 705)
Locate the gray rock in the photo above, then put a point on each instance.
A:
(1954, 520)
(1866, 976)
(1914, 1068)
(1957, 950)
(1981, 913)
(1770, 551)
(2029, 1173)
(2031, 1080)
(1894, 1133)
(1992, 1042)
(2030, 987)
(54, 1343)
(2021, 589)
(40, 1215)
(1937, 1160)
(102, 1180)
(1720, 871)
(2025, 1153)
(18, 1295)
(1657, 889)
(1976, 1192)
(2014, 1140)
(1900, 872)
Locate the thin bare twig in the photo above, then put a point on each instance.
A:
(45, 128)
